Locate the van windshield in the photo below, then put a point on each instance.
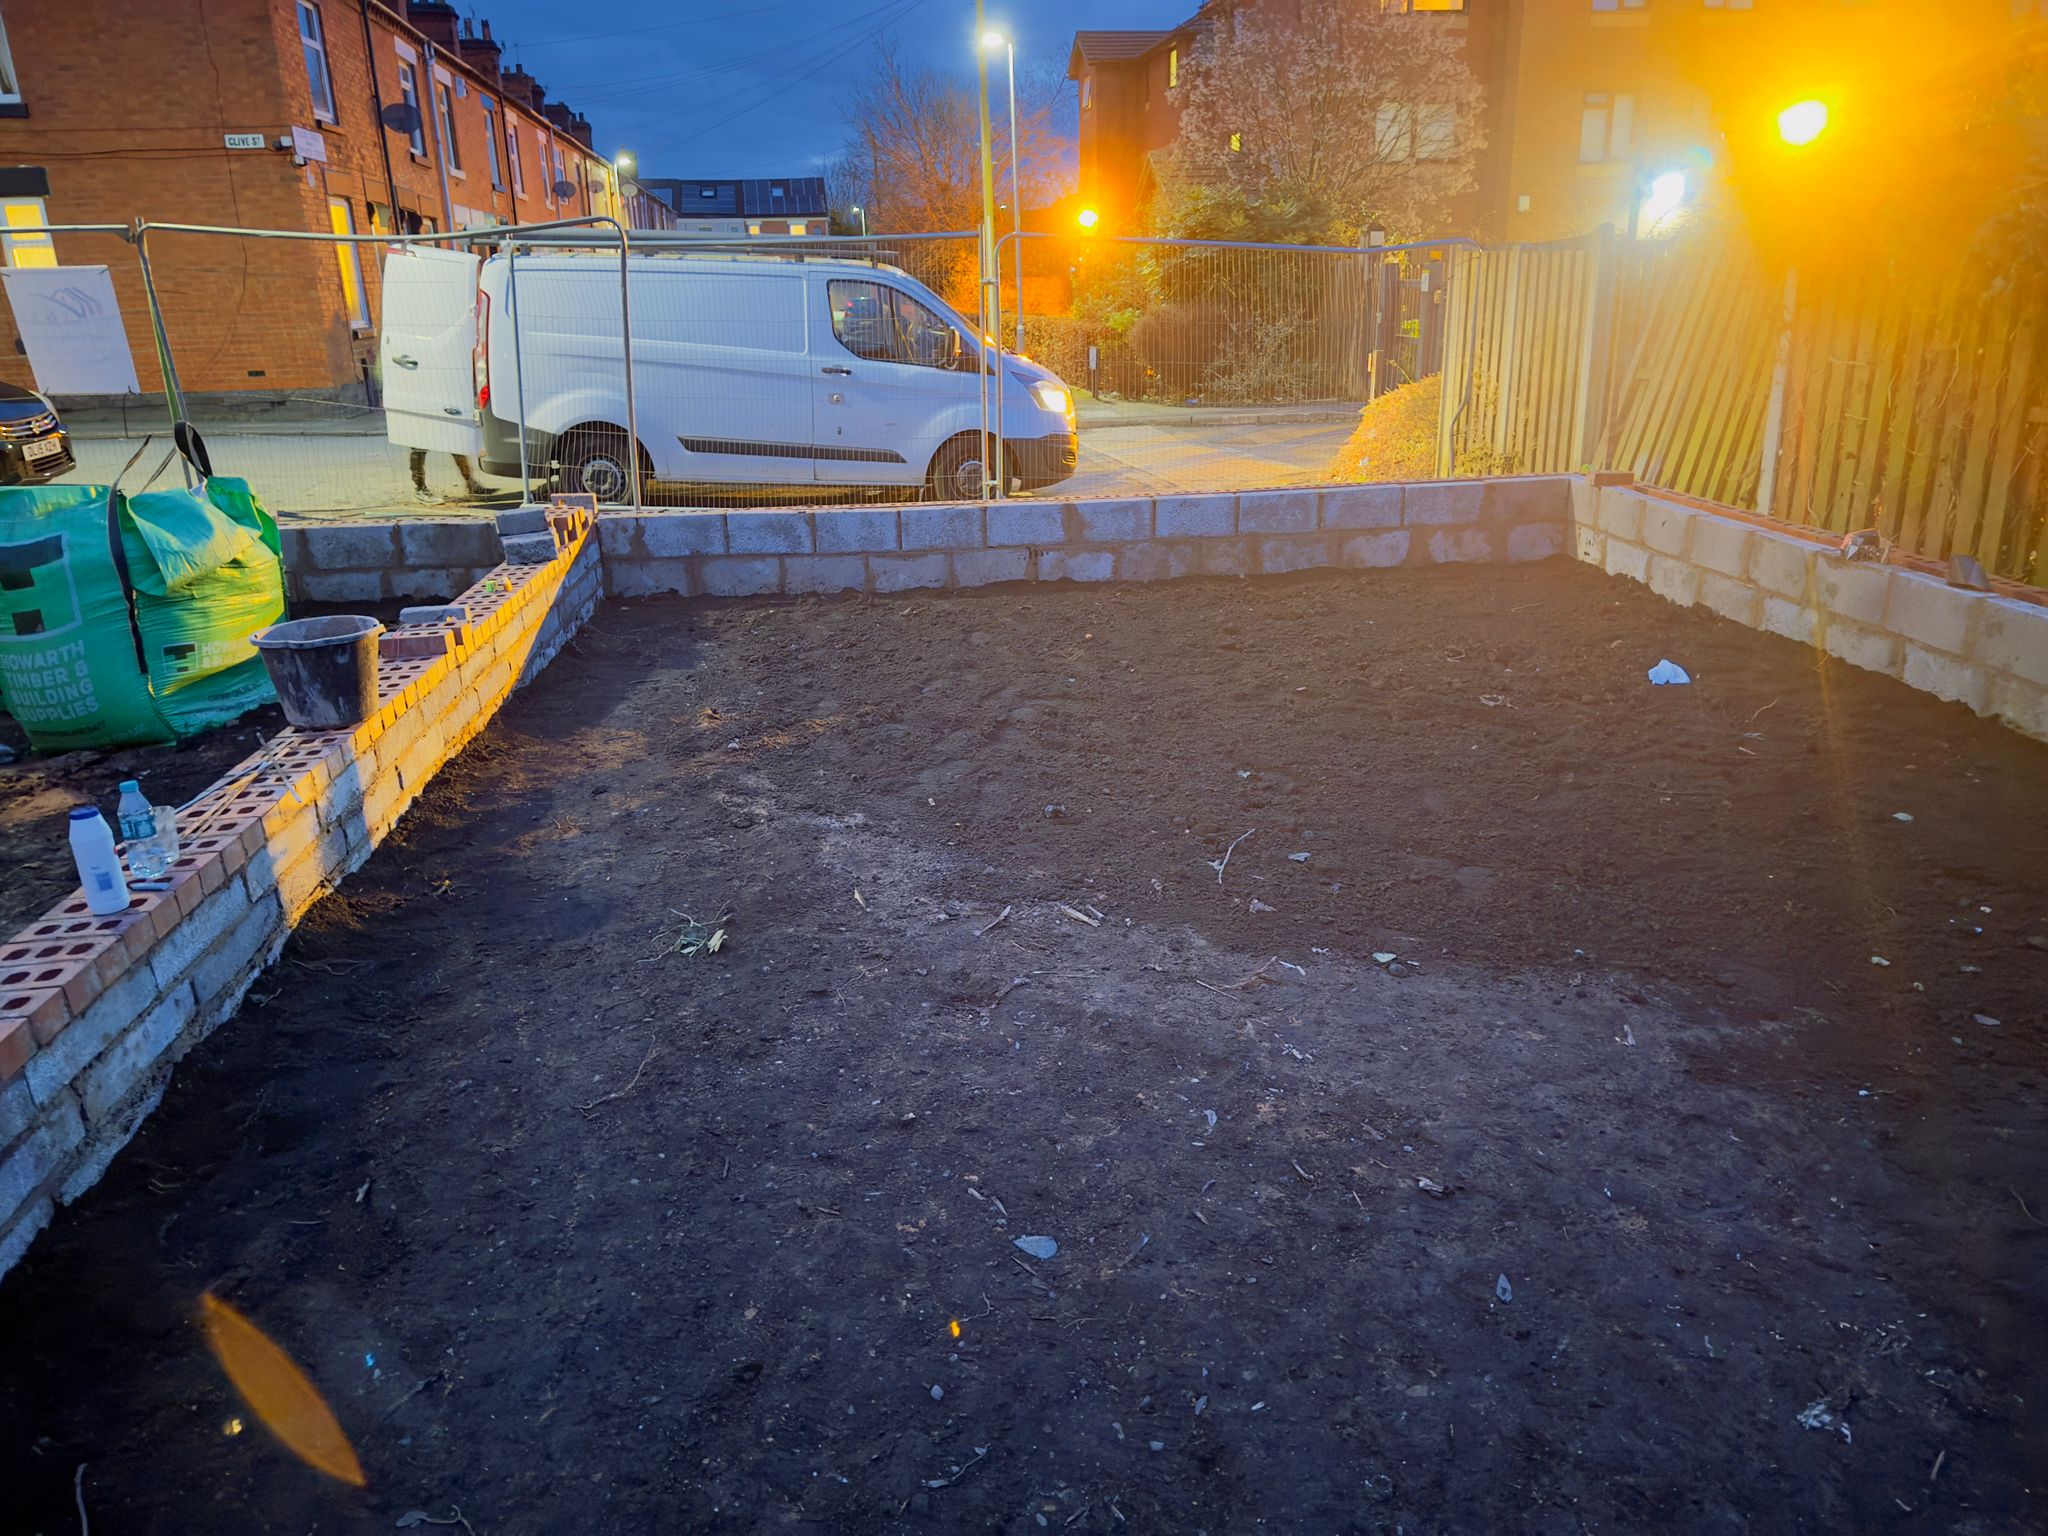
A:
(886, 325)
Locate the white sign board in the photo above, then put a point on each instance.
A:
(243, 140)
(309, 145)
(70, 322)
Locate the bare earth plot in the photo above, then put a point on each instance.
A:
(1643, 1201)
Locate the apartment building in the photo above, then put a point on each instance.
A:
(1588, 102)
(351, 116)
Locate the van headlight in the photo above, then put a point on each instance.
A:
(1051, 396)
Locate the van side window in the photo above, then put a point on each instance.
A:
(886, 325)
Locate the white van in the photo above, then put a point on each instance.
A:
(747, 370)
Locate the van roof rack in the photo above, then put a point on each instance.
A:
(736, 251)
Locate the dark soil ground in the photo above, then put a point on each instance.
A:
(579, 1232)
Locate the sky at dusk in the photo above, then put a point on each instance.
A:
(752, 87)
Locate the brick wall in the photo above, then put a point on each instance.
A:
(126, 107)
(1986, 650)
(95, 1011)
(964, 544)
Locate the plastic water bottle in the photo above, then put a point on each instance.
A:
(140, 830)
(99, 863)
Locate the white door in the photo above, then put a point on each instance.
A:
(722, 373)
(428, 350)
(888, 382)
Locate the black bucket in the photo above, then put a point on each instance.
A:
(324, 670)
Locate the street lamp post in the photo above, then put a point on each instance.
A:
(990, 40)
(622, 167)
(988, 245)
(857, 208)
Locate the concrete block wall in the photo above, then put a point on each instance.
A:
(418, 561)
(94, 1011)
(948, 545)
(1984, 649)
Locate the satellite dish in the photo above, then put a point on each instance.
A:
(566, 188)
(401, 117)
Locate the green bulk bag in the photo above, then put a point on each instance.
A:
(125, 621)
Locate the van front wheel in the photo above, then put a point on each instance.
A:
(957, 473)
(598, 460)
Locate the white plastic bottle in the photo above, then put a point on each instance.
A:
(146, 857)
(99, 863)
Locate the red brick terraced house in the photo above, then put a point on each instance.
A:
(271, 114)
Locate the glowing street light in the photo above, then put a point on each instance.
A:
(863, 219)
(1666, 196)
(1803, 122)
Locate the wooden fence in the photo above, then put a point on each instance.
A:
(1914, 401)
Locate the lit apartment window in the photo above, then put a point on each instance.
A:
(350, 261)
(10, 83)
(1237, 143)
(19, 250)
(491, 142)
(1621, 5)
(1606, 122)
(444, 115)
(314, 41)
(1172, 68)
(512, 154)
(409, 93)
(1087, 92)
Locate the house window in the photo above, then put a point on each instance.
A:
(314, 41)
(1236, 143)
(1087, 92)
(409, 93)
(1394, 131)
(444, 116)
(1436, 131)
(10, 82)
(1606, 121)
(512, 154)
(491, 142)
(350, 261)
(20, 250)
(561, 172)
(1620, 5)
(1172, 68)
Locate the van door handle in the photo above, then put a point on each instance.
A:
(406, 362)
(835, 368)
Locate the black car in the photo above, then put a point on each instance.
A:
(33, 447)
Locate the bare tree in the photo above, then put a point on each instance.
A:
(1354, 114)
(915, 133)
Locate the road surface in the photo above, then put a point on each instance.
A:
(325, 476)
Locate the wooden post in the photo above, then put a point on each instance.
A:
(1774, 412)
(1596, 352)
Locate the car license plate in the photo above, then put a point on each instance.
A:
(43, 448)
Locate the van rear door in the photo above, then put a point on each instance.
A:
(428, 350)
